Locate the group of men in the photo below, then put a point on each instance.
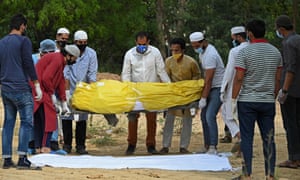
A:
(247, 87)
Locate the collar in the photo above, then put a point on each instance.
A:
(262, 40)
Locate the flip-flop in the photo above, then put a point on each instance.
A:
(288, 164)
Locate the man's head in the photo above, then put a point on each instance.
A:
(256, 29)
(198, 42)
(71, 53)
(177, 47)
(62, 36)
(81, 40)
(47, 46)
(142, 41)
(283, 24)
(18, 22)
(238, 35)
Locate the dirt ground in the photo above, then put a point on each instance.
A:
(100, 143)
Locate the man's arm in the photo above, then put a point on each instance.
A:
(209, 74)
(237, 82)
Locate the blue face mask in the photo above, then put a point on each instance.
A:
(141, 48)
(279, 35)
(199, 50)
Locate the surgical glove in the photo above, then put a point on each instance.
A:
(222, 96)
(68, 96)
(65, 109)
(281, 96)
(38, 91)
(56, 104)
(234, 109)
(202, 103)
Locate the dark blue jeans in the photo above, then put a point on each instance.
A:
(264, 114)
(290, 111)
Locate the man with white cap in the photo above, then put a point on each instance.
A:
(210, 102)
(238, 34)
(62, 36)
(50, 73)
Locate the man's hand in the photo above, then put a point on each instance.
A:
(282, 95)
(202, 103)
(222, 96)
(38, 91)
(65, 109)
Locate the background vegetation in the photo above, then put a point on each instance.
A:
(112, 24)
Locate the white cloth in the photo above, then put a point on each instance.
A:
(211, 59)
(147, 67)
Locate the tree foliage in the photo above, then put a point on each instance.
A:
(112, 24)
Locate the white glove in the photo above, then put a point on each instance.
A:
(202, 103)
(65, 109)
(56, 104)
(281, 96)
(234, 109)
(38, 91)
(222, 96)
(68, 96)
(54, 100)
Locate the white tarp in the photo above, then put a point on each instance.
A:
(198, 162)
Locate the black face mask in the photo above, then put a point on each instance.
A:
(61, 44)
(81, 47)
(70, 62)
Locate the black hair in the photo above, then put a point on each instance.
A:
(257, 27)
(179, 41)
(142, 34)
(242, 34)
(16, 21)
(287, 27)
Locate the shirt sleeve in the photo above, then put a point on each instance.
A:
(126, 70)
(160, 68)
(93, 68)
(27, 62)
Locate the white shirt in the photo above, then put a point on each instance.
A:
(147, 67)
(211, 59)
(229, 74)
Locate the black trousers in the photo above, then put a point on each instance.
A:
(80, 133)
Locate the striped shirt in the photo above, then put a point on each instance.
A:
(260, 62)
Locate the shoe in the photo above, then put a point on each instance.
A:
(67, 148)
(54, 145)
(164, 150)
(8, 163)
(226, 139)
(288, 164)
(183, 151)
(212, 150)
(130, 149)
(81, 151)
(152, 150)
(202, 150)
(236, 147)
(24, 163)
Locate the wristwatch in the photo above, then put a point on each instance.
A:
(284, 91)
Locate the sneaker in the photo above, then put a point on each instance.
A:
(226, 139)
(183, 151)
(164, 150)
(24, 163)
(81, 151)
(8, 163)
(67, 148)
(152, 150)
(212, 150)
(54, 145)
(130, 150)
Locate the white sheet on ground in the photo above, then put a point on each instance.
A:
(198, 162)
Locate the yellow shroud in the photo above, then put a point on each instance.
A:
(111, 96)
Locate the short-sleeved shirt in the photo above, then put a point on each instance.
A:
(211, 59)
(260, 62)
(291, 62)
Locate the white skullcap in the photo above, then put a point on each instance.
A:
(63, 31)
(196, 36)
(237, 29)
(73, 50)
(80, 35)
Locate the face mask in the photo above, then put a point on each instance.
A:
(235, 43)
(61, 44)
(70, 62)
(199, 50)
(176, 56)
(141, 49)
(279, 35)
(81, 47)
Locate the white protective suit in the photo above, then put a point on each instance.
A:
(226, 89)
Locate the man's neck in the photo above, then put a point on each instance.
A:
(14, 31)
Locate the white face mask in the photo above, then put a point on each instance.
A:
(279, 35)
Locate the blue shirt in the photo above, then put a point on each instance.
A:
(16, 65)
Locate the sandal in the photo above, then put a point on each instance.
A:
(288, 164)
